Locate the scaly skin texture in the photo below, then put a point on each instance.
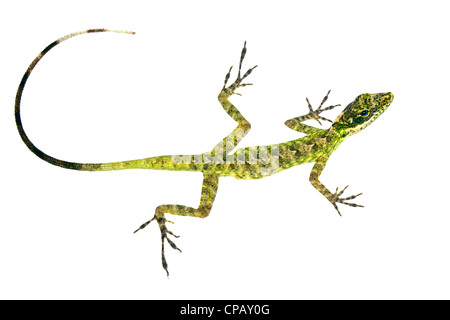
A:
(246, 163)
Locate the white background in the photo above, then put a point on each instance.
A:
(110, 97)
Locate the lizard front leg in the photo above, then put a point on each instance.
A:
(334, 198)
(209, 191)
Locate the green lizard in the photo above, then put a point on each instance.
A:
(246, 163)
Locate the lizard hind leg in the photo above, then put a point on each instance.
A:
(232, 140)
(209, 191)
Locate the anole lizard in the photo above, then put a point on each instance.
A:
(245, 163)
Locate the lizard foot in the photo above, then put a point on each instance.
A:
(336, 199)
(229, 91)
(314, 114)
(161, 220)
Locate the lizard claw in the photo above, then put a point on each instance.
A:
(164, 236)
(237, 83)
(314, 114)
(145, 224)
(336, 199)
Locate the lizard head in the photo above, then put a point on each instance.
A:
(364, 110)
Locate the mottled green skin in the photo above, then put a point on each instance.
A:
(246, 163)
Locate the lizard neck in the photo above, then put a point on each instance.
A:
(321, 144)
(309, 148)
(333, 139)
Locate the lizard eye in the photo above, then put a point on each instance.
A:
(364, 113)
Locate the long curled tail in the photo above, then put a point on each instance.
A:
(26, 140)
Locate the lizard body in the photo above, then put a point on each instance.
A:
(244, 163)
